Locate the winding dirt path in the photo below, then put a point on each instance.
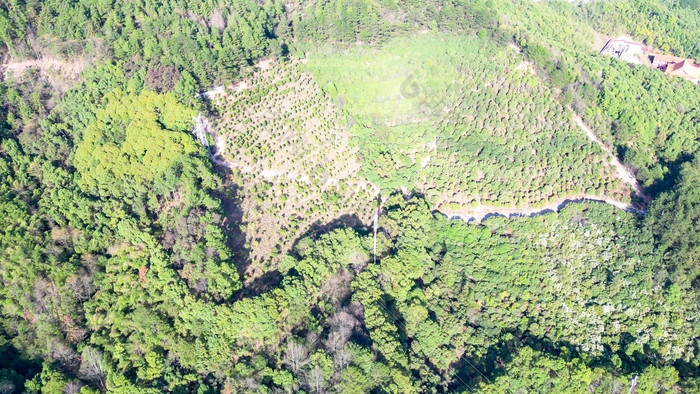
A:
(622, 172)
(478, 213)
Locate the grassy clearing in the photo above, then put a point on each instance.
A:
(463, 121)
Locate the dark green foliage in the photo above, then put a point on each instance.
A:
(117, 275)
(78, 238)
(669, 26)
(674, 220)
(537, 53)
(372, 21)
(210, 41)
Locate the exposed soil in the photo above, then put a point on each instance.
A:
(59, 73)
(480, 213)
(45, 64)
(623, 172)
(525, 66)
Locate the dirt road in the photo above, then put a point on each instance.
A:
(478, 213)
(622, 172)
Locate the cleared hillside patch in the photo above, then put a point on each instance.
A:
(298, 167)
(456, 119)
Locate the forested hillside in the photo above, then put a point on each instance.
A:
(135, 260)
(465, 121)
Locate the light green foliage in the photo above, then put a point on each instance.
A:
(134, 139)
(669, 26)
(119, 263)
(49, 381)
(464, 120)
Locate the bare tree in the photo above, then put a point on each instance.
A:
(356, 310)
(337, 287)
(64, 354)
(216, 20)
(316, 380)
(342, 358)
(200, 286)
(72, 387)
(344, 324)
(6, 387)
(313, 339)
(45, 295)
(82, 286)
(296, 356)
(250, 383)
(92, 368)
(335, 342)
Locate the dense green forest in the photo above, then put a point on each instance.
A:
(134, 261)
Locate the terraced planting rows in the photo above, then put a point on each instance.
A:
(279, 120)
(294, 159)
(453, 117)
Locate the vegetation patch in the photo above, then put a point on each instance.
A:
(296, 164)
(460, 120)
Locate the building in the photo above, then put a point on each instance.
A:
(632, 52)
(661, 61)
(627, 51)
(676, 66)
(684, 69)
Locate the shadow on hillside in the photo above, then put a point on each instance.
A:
(348, 221)
(319, 228)
(672, 178)
(229, 196)
(262, 284)
(497, 358)
(272, 279)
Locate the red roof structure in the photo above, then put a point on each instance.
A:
(684, 69)
(660, 58)
(633, 52)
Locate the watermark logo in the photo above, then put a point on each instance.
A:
(428, 101)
